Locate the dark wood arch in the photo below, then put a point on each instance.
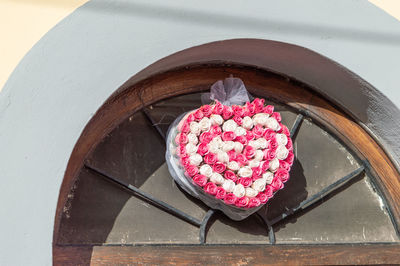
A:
(194, 78)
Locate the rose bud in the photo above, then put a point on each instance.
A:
(185, 161)
(273, 144)
(269, 134)
(232, 155)
(185, 127)
(242, 139)
(282, 174)
(269, 192)
(250, 109)
(268, 177)
(192, 170)
(254, 202)
(219, 167)
(290, 158)
(250, 135)
(289, 144)
(221, 193)
(242, 202)
(276, 184)
(230, 175)
(262, 197)
(269, 155)
(211, 188)
(241, 159)
(258, 131)
(227, 112)
(238, 110)
(200, 180)
(257, 171)
(230, 199)
(259, 103)
(277, 116)
(215, 130)
(269, 109)
(238, 120)
(284, 130)
(249, 152)
(206, 137)
(228, 136)
(190, 118)
(284, 165)
(264, 166)
(207, 110)
(218, 108)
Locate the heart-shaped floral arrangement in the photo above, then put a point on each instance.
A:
(241, 155)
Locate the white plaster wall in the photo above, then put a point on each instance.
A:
(69, 73)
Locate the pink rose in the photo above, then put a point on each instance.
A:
(238, 120)
(185, 127)
(185, 161)
(273, 144)
(228, 136)
(277, 116)
(282, 174)
(192, 170)
(257, 172)
(250, 135)
(218, 108)
(262, 197)
(206, 137)
(258, 131)
(259, 103)
(264, 166)
(221, 193)
(276, 184)
(230, 199)
(207, 110)
(238, 110)
(242, 202)
(215, 130)
(182, 150)
(269, 154)
(245, 181)
(242, 139)
(202, 149)
(269, 191)
(211, 188)
(219, 167)
(254, 202)
(269, 109)
(230, 175)
(284, 165)
(241, 159)
(183, 138)
(232, 155)
(227, 112)
(269, 134)
(210, 158)
(198, 115)
(190, 118)
(249, 152)
(250, 109)
(289, 144)
(284, 130)
(200, 180)
(290, 158)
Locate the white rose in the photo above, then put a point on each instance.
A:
(195, 159)
(239, 131)
(192, 138)
(228, 145)
(228, 185)
(213, 147)
(234, 166)
(245, 171)
(268, 177)
(247, 122)
(216, 119)
(281, 139)
(259, 155)
(262, 143)
(205, 124)
(239, 191)
(218, 141)
(250, 192)
(254, 144)
(274, 165)
(238, 147)
(195, 128)
(260, 119)
(272, 124)
(222, 157)
(217, 178)
(282, 153)
(259, 185)
(191, 148)
(254, 163)
(229, 125)
(206, 170)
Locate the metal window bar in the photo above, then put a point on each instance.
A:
(320, 196)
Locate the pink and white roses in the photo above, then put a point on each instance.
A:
(238, 154)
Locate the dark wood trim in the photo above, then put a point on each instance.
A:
(229, 255)
(197, 78)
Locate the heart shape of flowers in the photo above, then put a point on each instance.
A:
(241, 155)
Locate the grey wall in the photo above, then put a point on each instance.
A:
(69, 73)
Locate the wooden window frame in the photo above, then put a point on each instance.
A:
(195, 78)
